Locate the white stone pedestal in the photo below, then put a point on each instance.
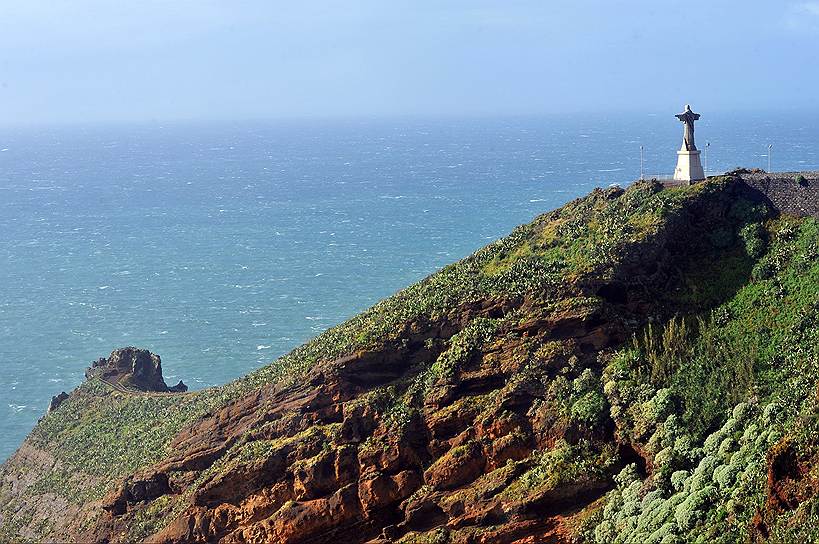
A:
(689, 167)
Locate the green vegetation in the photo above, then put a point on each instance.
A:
(762, 338)
(696, 492)
(565, 464)
(438, 536)
(666, 350)
(722, 367)
(98, 427)
(739, 375)
(462, 347)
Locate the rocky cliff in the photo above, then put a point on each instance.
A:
(637, 366)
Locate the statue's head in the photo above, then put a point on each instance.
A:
(687, 107)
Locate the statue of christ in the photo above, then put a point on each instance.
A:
(687, 118)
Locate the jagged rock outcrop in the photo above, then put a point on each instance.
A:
(178, 388)
(133, 368)
(56, 401)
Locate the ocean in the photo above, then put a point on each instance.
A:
(221, 246)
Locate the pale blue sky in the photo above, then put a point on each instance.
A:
(102, 60)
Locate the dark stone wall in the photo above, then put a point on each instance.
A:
(792, 193)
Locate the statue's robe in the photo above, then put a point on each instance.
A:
(688, 119)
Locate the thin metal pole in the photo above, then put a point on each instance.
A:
(707, 145)
(770, 147)
(641, 163)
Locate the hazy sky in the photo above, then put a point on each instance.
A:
(101, 60)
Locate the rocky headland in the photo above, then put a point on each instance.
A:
(133, 368)
(639, 365)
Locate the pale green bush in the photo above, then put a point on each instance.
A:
(742, 411)
(726, 447)
(605, 531)
(691, 510)
(678, 479)
(662, 405)
(712, 443)
(664, 458)
(750, 434)
(703, 473)
(729, 426)
(725, 476)
(586, 382)
(771, 414)
(627, 476)
(663, 534)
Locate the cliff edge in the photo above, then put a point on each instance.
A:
(636, 366)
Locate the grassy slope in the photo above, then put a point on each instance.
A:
(107, 434)
(708, 400)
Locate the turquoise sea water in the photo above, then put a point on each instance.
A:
(221, 246)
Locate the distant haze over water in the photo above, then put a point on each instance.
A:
(222, 246)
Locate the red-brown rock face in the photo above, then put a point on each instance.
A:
(376, 446)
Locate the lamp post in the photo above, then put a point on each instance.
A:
(770, 147)
(641, 163)
(707, 145)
